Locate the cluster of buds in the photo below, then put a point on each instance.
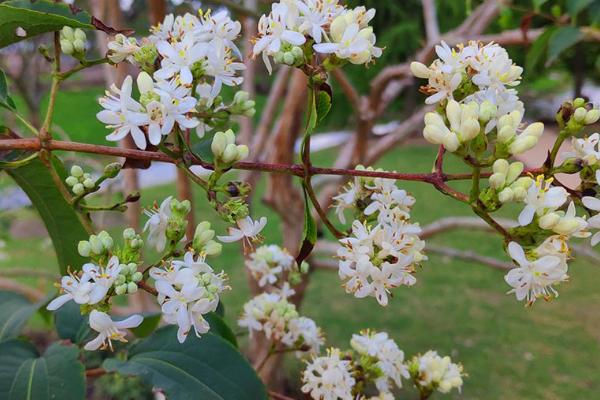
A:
(577, 114)
(242, 105)
(509, 140)
(131, 250)
(72, 41)
(431, 372)
(97, 247)
(464, 125)
(126, 281)
(203, 242)
(290, 55)
(225, 150)
(79, 181)
(506, 184)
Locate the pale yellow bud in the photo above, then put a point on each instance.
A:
(419, 70)
(144, 82)
(497, 180)
(500, 166)
(549, 220)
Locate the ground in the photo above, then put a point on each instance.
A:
(548, 351)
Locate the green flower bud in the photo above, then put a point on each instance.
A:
(145, 82)
(132, 268)
(579, 114)
(497, 180)
(121, 279)
(212, 248)
(129, 234)
(289, 59)
(278, 57)
(298, 53)
(592, 116)
(121, 289)
(132, 288)
(71, 181)
(96, 244)
(136, 243)
(304, 267)
(505, 195)
(67, 33)
(76, 171)
(80, 34)
(78, 46)
(230, 153)
(67, 47)
(137, 276)
(112, 170)
(250, 112)
(218, 144)
(578, 102)
(241, 97)
(146, 56)
(88, 183)
(84, 249)
(78, 189)
(242, 152)
(514, 171)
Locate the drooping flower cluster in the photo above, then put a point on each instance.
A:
(375, 364)
(197, 56)
(187, 290)
(384, 247)
(277, 318)
(294, 28)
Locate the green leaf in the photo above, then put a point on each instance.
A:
(564, 38)
(537, 52)
(25, 375)
(537, 4)
(207, 368)
(5, 100)
(219, 327)
(574, 7)
(147, 326)
(37, 17)
(61, 220)
(309, 233)
(70, 324)
(15, 311)
(323, 105)
(202, 149)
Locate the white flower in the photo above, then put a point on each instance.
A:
(533, 279)
(328, 377)
(249, 230)
(585, 149)
(316, 15)
(222, 68)
(109, 330)
(103, 278)
(592, 203)
(157, 224)
(438, 372)
(219, 27)
(352, 43)
(303, 332)
(268, 263)
(494, 67)
(123, 114)
(122, 48)
(541, 199)
(75, 289)
(277, 28)
(179, 57)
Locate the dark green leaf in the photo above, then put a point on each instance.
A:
(309, 234)
(5, 100)
(537, 52)
(323, 105)
(207, 368)
(574, 7)
(220, 309)
(202, 149)
(37, 17)
(219, 327)
(537, 4)
(70, 324)
(561, 40)
(15, 310)
(147, 326)
(61, 220)
(25, 375)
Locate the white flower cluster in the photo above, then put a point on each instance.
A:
(375, 364)
(387, 358)
(585, 149)
(269, 263)
(382, 251)
(433, 372)
(187, 290)
(278, 319)
(326, 25)
(197, 56)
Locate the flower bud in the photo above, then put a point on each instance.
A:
(451, 142)
(566, 226)
(592, 116)
(304, 267)
(120, 279)
(522, 144)
(78, 189)
(96, 244)
(419, 70)
(67, 33)
(487, 111)
(505, 195)
(83, 248)
(144, 82)
(453, 112)
(514, 171)
(230, 136)
(213, 248)
(218, 144)
(230, 154)
(536, 129)
(78, 46)
(71, 181)
(519, 193)
(88, 183)
(278, 57)
(469, 129)
(298, 53)
(433, 134)
(80, 34)
(549, 220)
(500, 166)
(76, 171)
(132, 288)
(579, 114)
(288, 58)
(137, 276)
(242, 152)
(112, 170)
(506, 133)
(497, 180)
(66, 47)
(121, 289)
(107, 241)
(578, 102)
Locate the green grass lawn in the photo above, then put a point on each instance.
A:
(549, 351)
